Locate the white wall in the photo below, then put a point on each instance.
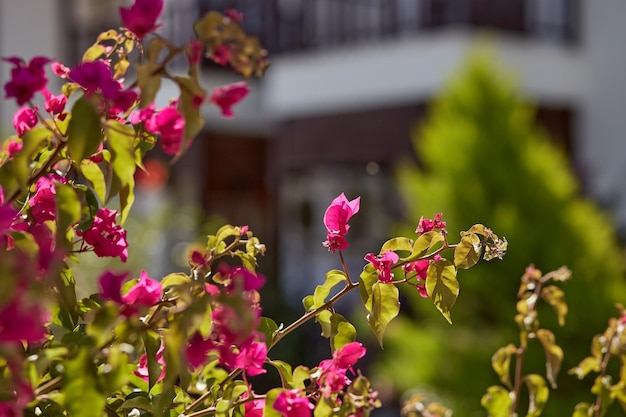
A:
(27, 28)
(603, 140)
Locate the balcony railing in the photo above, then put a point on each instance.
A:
(292, 25)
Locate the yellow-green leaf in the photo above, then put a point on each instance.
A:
(467, 252)
(555, 296)
(385, 307)
(442, 286)
(424, 243)
(84, 133)
(149, 83)
(501, 363)
(342, 332)
(94, 52)
(538, 394)
(68, 211)
(554, 355)
(333, 278)
(397, 244)
(587, 365)
(80, 385)
(92, 173)
(497, 401)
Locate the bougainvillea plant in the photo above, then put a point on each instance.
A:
(190, 343)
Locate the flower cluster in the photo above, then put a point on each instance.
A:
(336, 220)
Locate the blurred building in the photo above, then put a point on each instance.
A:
(348, 81)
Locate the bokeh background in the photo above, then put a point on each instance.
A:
(503, 112)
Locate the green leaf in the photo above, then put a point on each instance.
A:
(538, 394)
(554, 355)
(68, 211)
(501, 363)
(324, 408)
(285, 372)
(84, 133)
(67, 314)
(270, 397)
(467, 252)
(121, 141)
(497, 402)
(342, 331)
(385, 307)
(14, 174)
(149, 83)
(94, 52)
(424, 243)
(189, 90)
(442, 286)
(175, 279)
(324, 319)
(141, 402)
(397, 244)
(555, 296)
(333, 278)
(583, 410)
(152, 343)
(92, 173)
(602, 388)
(269, 328)
(367, 279)
(587, 365)
(80, 385)
(300, 374)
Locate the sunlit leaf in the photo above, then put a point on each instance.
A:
(554, 355)
(385, 307)
(80, 385)
(424, 243)
(587, 365)
(152, 343)
(333, 278)
(270, 397)
(442, 286)
(269, 328)
(583, 410)
(367, 279)
(501, 363)
(68, 211)
(92, 172)
(555, 296)
(397, 244)
(467, 252)
(285, 371)
(497, 401)
(342, 331)
(538, 394)
(84, 133)
(190, 90)
(149, 82)
(121, 141)
(94, 52)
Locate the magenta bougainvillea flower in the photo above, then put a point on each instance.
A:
(226, 96)
(291, 403)
(234, 15)
(194, 51)
(142, 368)
(383, 264)
(336, 220)
(26, 80)
(43, 202)
(13, 146)
(107, 238)
(253, 408)
(221, 55)
(24, 119)
(251, 358)
(333, 371)
(167, 122)
(55, 104)
(141, 17)
(420, 268)
(146, 292)
(96, 77)
(426, 225)
(23, 321)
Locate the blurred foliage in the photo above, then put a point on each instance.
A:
(483, 159)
